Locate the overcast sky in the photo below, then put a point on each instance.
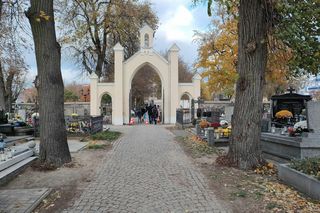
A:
(178, 19)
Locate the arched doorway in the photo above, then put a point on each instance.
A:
(106, 108)
(146, 90)
(185, 101)
(125, 71)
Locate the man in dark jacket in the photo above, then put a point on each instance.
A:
(154, 114)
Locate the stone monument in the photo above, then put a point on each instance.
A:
(293, 102)
(313, 116)
(3, 117)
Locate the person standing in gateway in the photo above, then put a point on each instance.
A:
(154, 114)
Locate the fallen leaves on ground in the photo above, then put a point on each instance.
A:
(48, 202)
(253, 190)
(267, 169)
(281, 198)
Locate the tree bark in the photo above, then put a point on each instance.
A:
(2, 89)
(245, 148)
(53, 137)
(1, 6)
(2, 86)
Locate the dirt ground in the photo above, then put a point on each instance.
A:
(245, 191)
(242, 191)
(66, 182)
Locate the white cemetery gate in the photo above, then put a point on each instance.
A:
(119, 90)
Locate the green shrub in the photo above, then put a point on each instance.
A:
(309, 166)
(106, 135)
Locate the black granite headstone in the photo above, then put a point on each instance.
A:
(292, 102)
(3, 117)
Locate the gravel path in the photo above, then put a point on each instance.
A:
(147, 172)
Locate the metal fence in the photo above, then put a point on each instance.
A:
(184, 116)
(84, 124)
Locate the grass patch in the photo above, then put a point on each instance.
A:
(98, 145)
(272, 205)
(258, 195)
(106, 135)
(240, 193)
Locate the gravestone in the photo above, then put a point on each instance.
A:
(3, 117)
(96, 124)
(313, 116)
(23, 114)
(293, 102)
(198, 129)
(228, 112)
(211, 136)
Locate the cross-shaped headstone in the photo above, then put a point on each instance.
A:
(291, 90)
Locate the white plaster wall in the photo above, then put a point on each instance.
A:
(186, 88)
(117, 103)
(174, 82)
(94, 106)
(125, 72)
(107, 88)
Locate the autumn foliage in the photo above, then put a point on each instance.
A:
(218, 55)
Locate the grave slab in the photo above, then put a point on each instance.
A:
(291, 147)
(74, 145)
(22, 200)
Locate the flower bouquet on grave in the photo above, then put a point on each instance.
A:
(204, 124)
(215, 125)
(283, 114)
(283, 117)
(291, 131)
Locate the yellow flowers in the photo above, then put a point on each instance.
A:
(223, 132)
(284, 114)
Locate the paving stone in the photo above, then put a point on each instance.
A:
(147, 172)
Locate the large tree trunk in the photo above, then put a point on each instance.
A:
(2, 89)
(53, 137)
(2, 86)
(245, 148)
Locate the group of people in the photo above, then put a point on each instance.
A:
(149, 113)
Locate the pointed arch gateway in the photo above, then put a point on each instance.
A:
(125, 71)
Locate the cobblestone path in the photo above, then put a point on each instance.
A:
(147, 172)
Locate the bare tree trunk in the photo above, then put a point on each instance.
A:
(245, 148)
(53, 137)
(100, 62)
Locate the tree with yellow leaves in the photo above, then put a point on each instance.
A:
(218, 55)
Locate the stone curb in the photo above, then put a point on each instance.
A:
(38, 201)
(302, 182)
